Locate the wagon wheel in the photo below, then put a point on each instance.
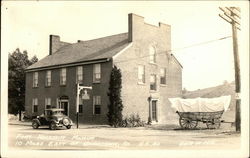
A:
(213, 124)
(187, 123)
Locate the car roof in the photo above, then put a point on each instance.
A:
(55, 109)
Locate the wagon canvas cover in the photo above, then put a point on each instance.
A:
(201, 104)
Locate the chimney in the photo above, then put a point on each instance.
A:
(135, 23)
(54, 43)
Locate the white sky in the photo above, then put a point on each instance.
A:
(27, 25)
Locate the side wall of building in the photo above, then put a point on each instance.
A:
(137, 97)
(56, 91)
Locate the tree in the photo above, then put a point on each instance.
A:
(18, 62)
(115, 106)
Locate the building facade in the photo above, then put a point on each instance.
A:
(150, 75)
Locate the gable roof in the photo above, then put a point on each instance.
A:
(102, 48)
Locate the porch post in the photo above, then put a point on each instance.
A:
(77, 105)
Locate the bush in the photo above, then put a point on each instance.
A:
(115, 106)
(133, 121)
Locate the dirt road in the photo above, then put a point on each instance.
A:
(105, 137)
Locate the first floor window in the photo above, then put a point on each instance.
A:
(80, 105)
(97, 73)
(141, 74)
(163, 76)
(97, 104)
(35, 105)
(80, 108)
(47, 103)
(153, 82)
(35, 79)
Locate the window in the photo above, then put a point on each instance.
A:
(35, 79)
(97, 73)
(141, 74)
(35, 105)
(79, 74)
(63, 76)
(47, 103)
(152, 82)
(80, 108)
(163, 76)
(152, 55)
(48, 78)
(97, 104)
(80, 105)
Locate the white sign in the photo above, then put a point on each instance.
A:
(85, 95)
(237, 96)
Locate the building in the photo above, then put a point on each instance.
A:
(150, 74)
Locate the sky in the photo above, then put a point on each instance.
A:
(28, 24)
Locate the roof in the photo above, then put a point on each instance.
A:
(102, 48)
(176, 60)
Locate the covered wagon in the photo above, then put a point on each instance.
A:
(206, 110)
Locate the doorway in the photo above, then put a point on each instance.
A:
(64, 104)
(154, 110)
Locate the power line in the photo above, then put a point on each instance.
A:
(177, 49)
(232, 16)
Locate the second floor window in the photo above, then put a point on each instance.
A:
(47, 103)
(163, 76)
(35, 79)
(34, 105)
(141, 74)
(63, 76)
(97, 73)
(48, 78)
(152, 54)
(79, 74)
(153, 82)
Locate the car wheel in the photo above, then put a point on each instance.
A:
(35, 125)
(53, 126)
(66, 122)
(68, 127)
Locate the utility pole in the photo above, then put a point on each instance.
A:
(232, 16)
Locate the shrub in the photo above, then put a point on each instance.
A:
(133, 121)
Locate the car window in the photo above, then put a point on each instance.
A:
(48, 112)
(57, 113)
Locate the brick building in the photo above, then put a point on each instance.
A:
(150, 74)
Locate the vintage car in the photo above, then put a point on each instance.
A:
(53, 118)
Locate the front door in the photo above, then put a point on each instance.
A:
(154, 110)
(64, 105)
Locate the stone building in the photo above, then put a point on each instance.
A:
(150, 74)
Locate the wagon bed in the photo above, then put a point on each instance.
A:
(189, 120)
